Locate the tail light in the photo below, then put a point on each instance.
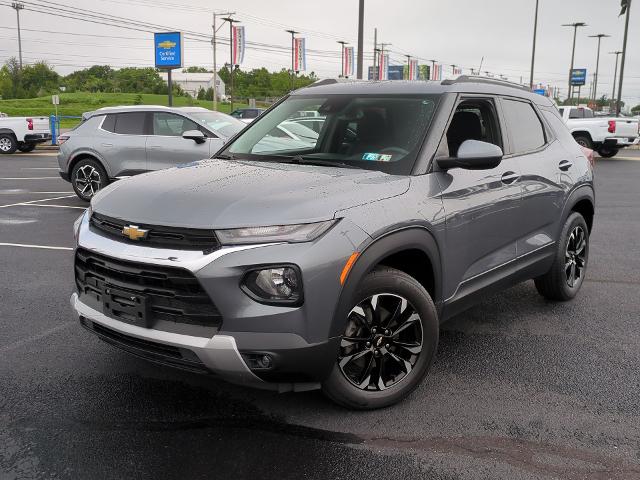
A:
(62, 139)
(612, 126)
(29, 123)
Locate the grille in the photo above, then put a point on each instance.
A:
(172, 294)
(159, 236)
(155, 352)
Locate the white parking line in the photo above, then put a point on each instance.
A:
(34, 201)
(54, 206)
(44, 247)
(29, 178)
(36, 337)
(39, 168)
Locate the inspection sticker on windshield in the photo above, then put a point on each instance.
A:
(376, 157)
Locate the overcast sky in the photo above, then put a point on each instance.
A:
(460, 32)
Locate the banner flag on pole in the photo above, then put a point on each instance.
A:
(383, 66)
(457, 71)
(413, 69)
(437, 72)
(349, 61)
(299, 55)
(237, 44)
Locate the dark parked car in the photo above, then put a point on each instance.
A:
(247, 115)
(330, 264)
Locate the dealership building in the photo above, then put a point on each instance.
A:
(193, 82)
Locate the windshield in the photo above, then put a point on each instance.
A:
(221, 124)
(376, 132)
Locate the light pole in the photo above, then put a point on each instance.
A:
(575, 26)
(231, 22)
(433, 69)
(293, 47)
(533, 49)
(615, 76)
(360, 38)
(342, 44)
(381, 50)
(599, 36)
(215, 65)
(626, 7)
(408, 67)
(18, 6)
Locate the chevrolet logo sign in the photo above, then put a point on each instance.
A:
(167, 44)
(134, 233)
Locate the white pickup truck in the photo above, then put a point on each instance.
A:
(23, 133)
(606, 135)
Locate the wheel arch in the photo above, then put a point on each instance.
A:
(582, 133)
(86, 155)
(413, 250)
(581, 200)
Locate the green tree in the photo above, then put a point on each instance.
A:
(196, 70)
(39, 79)
(201, 94)
(636, 110)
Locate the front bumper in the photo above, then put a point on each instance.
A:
(299, 340)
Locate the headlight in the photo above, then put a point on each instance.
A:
(274, 285)
(304, 232)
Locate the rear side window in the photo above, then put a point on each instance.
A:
(576, 113)
(527, 133)
(130, 123)
(109, 123)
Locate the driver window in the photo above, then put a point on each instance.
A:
(473, 120)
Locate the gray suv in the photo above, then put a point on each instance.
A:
(115, 142)
(292, 266)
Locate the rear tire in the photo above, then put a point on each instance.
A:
(393, 329)
(608, 152)
(27, 147)
(584, 141)
(563, 281)
(87, 178)
(8, 143)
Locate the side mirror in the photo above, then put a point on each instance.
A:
(473, 155)
(195, 135)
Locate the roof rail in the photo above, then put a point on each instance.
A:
(488, 80)
(331, 81)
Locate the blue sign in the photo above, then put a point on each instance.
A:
(578, 76)
(540, 91)
(168, 49)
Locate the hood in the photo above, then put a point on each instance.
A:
(229, 194)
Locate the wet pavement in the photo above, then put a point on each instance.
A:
(521, 388)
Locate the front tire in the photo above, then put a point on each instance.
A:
(388, 344)
(563, 281)
(27, 147)
(87, 178)
(608, 152)
(8, 143)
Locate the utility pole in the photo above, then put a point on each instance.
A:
(626, 7)
(533, 49)
(231, 66)
(374, 73)
(215, 65)
(599, 36)
(408, 67)
(342, 44)
(18, 6)
(575, 26)
(360, 39)
(293, 47)
(615, 77)
(381, 50)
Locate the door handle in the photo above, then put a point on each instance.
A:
(565, 165)
(107, 145)
(509, 177)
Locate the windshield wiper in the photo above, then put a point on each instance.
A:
(300, 160)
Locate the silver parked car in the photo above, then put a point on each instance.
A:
(116, 142)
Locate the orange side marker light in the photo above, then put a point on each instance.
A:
(348, 266)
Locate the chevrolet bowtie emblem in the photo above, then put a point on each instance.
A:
(134, 233)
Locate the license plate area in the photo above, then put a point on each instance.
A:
(126, 306)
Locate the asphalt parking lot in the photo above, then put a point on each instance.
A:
(521, 388)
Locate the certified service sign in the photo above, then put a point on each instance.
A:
(168, 49)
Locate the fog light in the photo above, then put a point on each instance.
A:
(264, 361)
(258, 361)
(280, 284)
